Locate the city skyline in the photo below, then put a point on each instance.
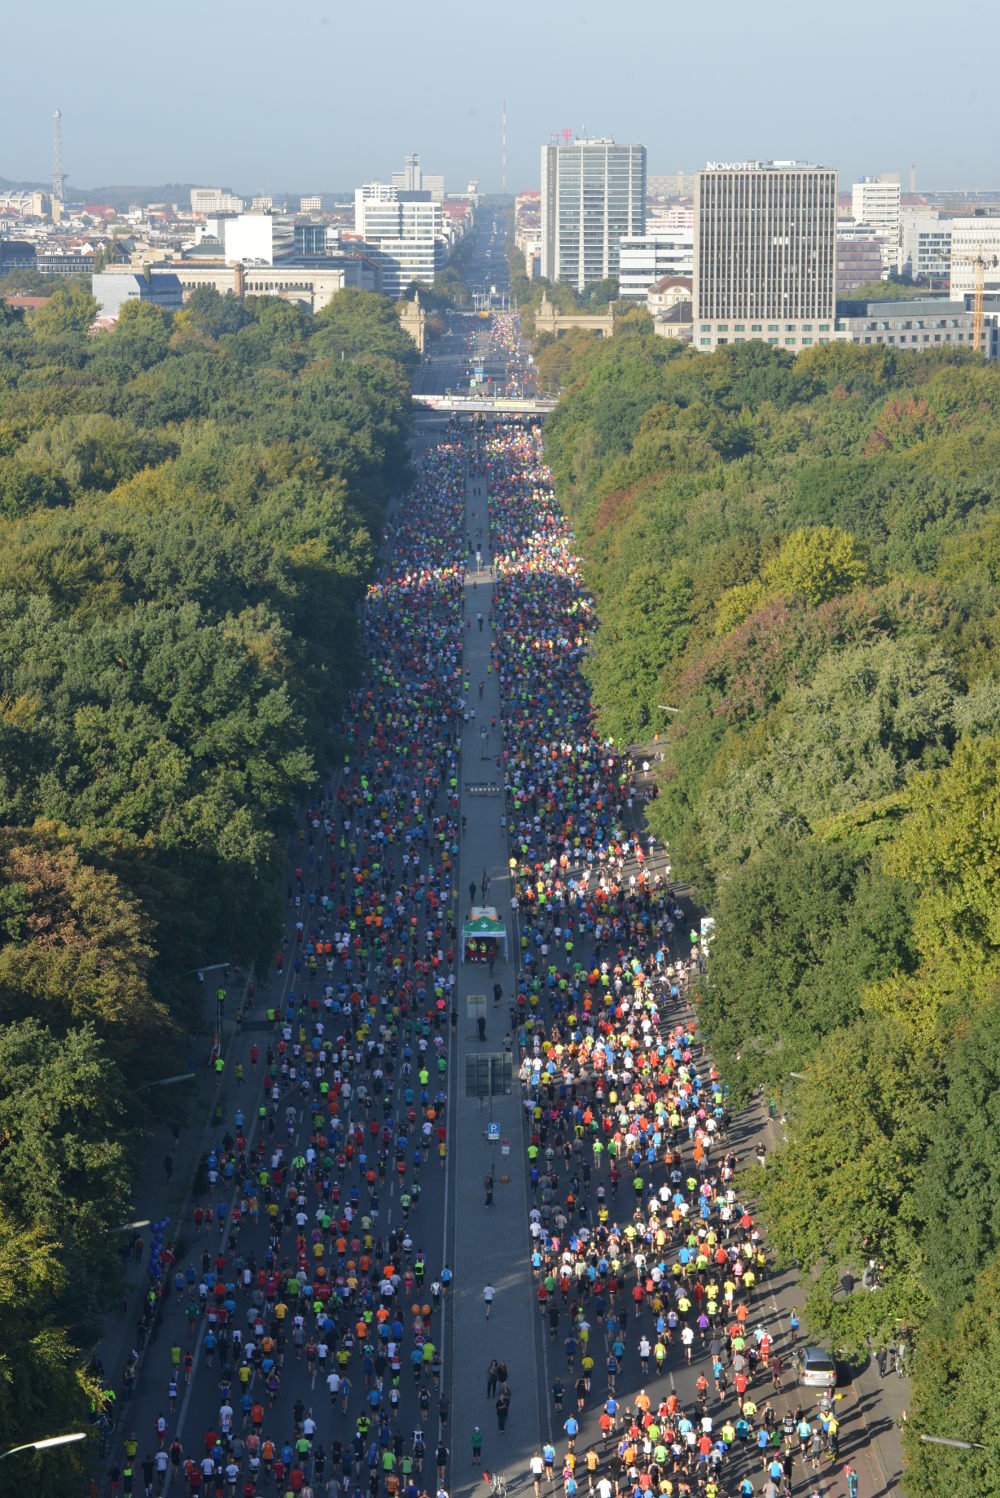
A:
(442, 95)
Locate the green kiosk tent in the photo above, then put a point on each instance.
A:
(483, 936)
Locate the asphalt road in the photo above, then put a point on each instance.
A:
(441, 369)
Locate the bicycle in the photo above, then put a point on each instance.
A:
(497, 1483)
(106, 1428)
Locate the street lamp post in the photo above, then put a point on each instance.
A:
(45, 1443)
(184, 1076)
(950, 1441)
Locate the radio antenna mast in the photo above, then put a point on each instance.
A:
(58, 176)
(503, 148)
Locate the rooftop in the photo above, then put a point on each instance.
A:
(666, 282)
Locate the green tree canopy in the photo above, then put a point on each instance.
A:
(950, 848)
(70, 309)
(955, 1395)
(800, 931)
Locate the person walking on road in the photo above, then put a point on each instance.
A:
(537, 1468)
(488, 1187)
(488, 1295)
(503, 1408)
(492, 1376)
(477, 1447)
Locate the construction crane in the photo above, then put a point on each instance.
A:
(979, 263)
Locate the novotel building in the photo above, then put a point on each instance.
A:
(765, 254)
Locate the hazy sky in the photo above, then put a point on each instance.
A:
(315, 95)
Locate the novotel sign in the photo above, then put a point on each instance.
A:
(758, 166)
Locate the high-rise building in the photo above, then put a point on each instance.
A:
(670, 218)
(647, 258)
(410, 178)
(861, 256)
(403, 232)
(974, 238)
(669, 184)
(924, 245)
(214, 200)
(875, 204)
(257, 238)
(414, 179)
(375, 203)
(315, 239)
(593, 193)
(859, 262)
(764, 254)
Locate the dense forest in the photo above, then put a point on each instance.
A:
(189, 510)
(797, 569)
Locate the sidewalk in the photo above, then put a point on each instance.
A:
(879, 1402)
(192, 1105)
(491, 1244)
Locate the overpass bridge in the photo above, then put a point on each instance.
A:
(471, 405)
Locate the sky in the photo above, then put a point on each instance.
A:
(318, 95)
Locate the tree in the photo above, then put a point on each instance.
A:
(801, 929)
(212, 313)
(958, 1194)
(92, 451)
(949, 847)
(869, 713)
(644, 627)
(70, 309)
(75, 948)
(841, 1191)
(43, 1385)
(27, 484)
(138, 340)
(955, 1394)
(892, 290)
(63, 1142)
(361, 325)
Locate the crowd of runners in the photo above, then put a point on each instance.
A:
(638, 1237)
(312, 1303)
(310, 1269)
